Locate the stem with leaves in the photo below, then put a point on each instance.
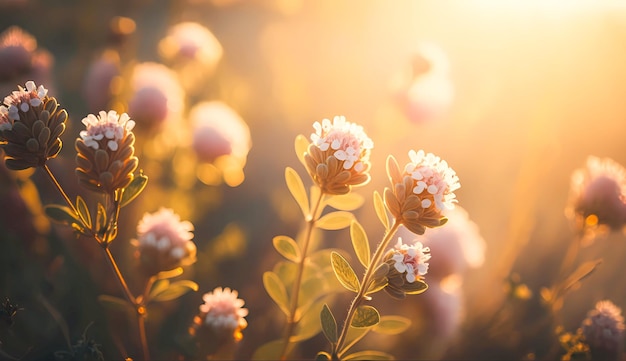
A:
(291, 320)
(338, 348)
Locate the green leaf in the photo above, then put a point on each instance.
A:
(101, 218)
(415, 288)
(329, 325)
(301, 146)
(271, 350)
(296, 187)
(379, 207)
(175, 290)
(170, 274)
(158, 287)
(276, 289)
(335, 220)
(135, 187)
(83, 211)
(365, 316)
(353, 336)
(392, 325)
(344, 272)
(63, 215)
(360, 243)
(115, 303)
(287, 247)
(369, 355)
(309, 324)
(346, 202)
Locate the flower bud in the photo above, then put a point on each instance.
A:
(31, 124)
(338, 157)
(105, 153)
(164, 242)
(407, 266)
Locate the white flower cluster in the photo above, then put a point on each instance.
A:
(109, 125)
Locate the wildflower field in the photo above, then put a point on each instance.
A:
(312, 180)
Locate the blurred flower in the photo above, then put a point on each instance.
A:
(99, 80)
(164, 242)
(20, 60)
(105, 153)
(407, 264)
(17, 48)
(218, 326)
(157, 96)
(598, 195)
(442, 308)
(458, 246)
(338, 156)
(424, 90)
(192, 50)
(422, 192)
(218, 131)
(603, 331)
(31, 124)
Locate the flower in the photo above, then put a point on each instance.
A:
(31, 124)
(422, 192)
(603, 330)
(338, 156)
(597, 195)
(217, 131)
(99, 80)
(105, 153)
(407, 266)
(459, 245)
(192, 51)
(164, 242)
(17, 48)
(157, 96)
(217, 328)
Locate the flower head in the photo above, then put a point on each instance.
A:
(17, 49)
(422, 191)
(338, 156)
(459, 245)
(157, 96)
(30, 126)
(105, 153)
(598, 195)
(603, 330)
(97, 87)
(407, 266)
(164, 242)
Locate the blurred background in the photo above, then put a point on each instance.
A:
(513, 95)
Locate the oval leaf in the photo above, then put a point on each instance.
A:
(392, 325)
(276, 289)
(365, 316)
(309, 324)
(415, 288)
(379, 207)
(369, 355)
(296, 187)
(135, 187)
(170, 274)
(287, 247)
(335, 220)
(346, 202)
(329, 325)
(344, 272)
(175, 290)
(62, 214)
(158, 287)
(301, 146)
(360, 243)
(83, 211)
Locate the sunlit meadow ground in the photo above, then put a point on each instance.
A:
(536, 89)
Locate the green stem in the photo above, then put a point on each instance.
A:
(119, 277)
(367, 278)
(60, 189)
(291, 320)
(141, 320)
